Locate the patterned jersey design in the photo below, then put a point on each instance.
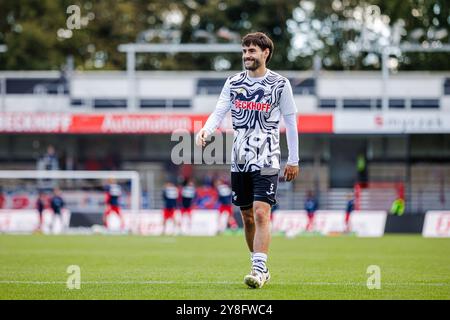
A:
(255, 111)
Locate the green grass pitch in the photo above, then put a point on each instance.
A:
(135, 267)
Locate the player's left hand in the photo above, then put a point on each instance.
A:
(291, 172)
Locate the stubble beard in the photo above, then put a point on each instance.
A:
(256, 64)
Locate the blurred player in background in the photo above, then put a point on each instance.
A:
(350, 206)
(57, 204)
(113, 193)
(275, 207)
(2, 198)
(49, 161)
(226, 217)
(398, 206)
(257, 98)
(40, 206)
(311, 206)
(188, 195)
(170, 197)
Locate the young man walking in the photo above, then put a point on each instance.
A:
(257, 98)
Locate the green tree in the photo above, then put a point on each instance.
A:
(37, 37)
(333, 31)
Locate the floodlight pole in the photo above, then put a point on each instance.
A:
(385, 78)
(131, 74)
(3, 48)
(132, 48)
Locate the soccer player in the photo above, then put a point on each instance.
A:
(225, 210)
(170, 196)
(188, 194)
(311, 206)
(275, 207)
(348, 210)
(113, 193)
(57, 204)
(398, 206)
(257, 98)
(40, 206)
(2, 198)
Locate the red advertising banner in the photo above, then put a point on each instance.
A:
(322, 123)
(117, 123)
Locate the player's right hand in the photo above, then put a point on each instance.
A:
(201, 138)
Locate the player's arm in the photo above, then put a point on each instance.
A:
(289, 111)
(222, 107)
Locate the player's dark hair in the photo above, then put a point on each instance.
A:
(261, 40)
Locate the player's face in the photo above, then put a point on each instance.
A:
(253, 57)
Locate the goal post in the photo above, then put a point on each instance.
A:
(132, 176)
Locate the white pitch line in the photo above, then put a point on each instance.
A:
(354, 284)
(118, 282)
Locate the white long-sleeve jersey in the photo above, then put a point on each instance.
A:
(256, 106)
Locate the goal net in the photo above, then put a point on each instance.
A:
(83, 192)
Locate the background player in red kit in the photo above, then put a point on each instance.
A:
(2, 198)
(170, 196)
(113, 193)
(225, 210)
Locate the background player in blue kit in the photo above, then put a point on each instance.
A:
(188, 195)
(349, 208)
(311, 206)
(40, 206)
(257, 98)
(170, 197)
(57, 204)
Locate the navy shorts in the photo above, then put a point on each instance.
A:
(252, 186)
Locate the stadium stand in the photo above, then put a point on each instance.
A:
(332, 95)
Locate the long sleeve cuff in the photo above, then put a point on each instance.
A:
(290, 121)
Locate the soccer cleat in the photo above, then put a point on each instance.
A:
(267, 275)
(254, 280)
(257, 279)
